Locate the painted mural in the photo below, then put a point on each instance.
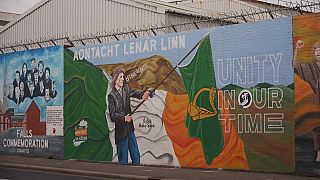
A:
(31, 86)
(306, 63)
(213, 98)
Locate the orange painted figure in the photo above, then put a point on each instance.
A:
(310, 73)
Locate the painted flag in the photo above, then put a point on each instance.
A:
(162, 136)
(202, 115)
(86, 134)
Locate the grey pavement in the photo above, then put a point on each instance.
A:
(117, 171)
(26, 174)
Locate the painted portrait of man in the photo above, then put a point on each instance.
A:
(119, 109)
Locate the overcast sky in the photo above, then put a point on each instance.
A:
(20, 6)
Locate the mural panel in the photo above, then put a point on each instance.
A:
(31, 86)
(306, 63)
(213, 98)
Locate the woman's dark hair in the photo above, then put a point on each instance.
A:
(40, 62)
(47, 69)
(115, 74)
(24, 64)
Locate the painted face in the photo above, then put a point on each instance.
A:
(29, 77)
(17, 92)
(33, 64)
(21, 86)
(24, 69)
(46, 96)
(317, 53)
(17, 76)
(120, 80)
(41, 86)
(47, 75)
(40, 68)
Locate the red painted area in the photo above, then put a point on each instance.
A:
(32, 120)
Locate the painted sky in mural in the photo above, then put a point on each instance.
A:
(52, 59)
(230, 50)
(253, 54)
